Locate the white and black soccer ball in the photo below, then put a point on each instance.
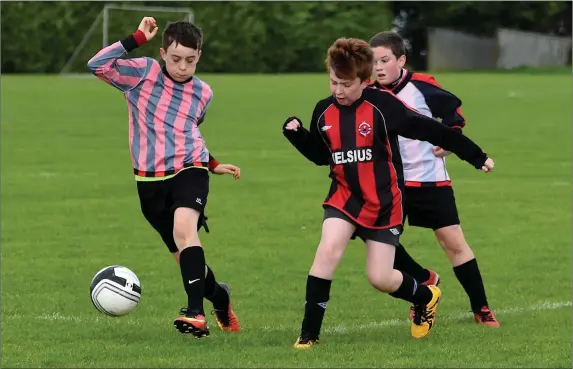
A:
(115, 290)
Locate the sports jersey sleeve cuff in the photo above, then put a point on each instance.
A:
(457, 129)
(134, 40)
(213, 163)
(479, 161)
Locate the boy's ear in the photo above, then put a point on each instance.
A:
(162, 53)
(402, 61)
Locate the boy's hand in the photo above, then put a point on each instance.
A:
(293, 125)
(440, 153)
(149, 27)
(228, 169)
(488, 165)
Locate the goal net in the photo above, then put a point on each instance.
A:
(114, 23)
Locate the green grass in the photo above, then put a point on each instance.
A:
(69, 208)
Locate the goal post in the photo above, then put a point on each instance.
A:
(150, 9)
(87, 45)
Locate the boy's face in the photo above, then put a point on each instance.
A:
(180, 61)
(386, 66)
(346, 91)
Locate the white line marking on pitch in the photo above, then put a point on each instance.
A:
(548, 305)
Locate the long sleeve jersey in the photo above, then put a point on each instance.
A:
(360, 144)
(164, 115)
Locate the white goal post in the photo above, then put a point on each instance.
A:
(103, 17)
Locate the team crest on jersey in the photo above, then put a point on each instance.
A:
(364, 129)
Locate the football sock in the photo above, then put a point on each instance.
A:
(470, 278)
(317, 296)
(412, 291)
(192, 263)
(214, 293)
(404, 262)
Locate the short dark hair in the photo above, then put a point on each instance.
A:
(350, 58)
(184, 33)
(391, 40)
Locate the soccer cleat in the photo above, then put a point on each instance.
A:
(226, 319)
(192, 323)
(434, 280)
(305, 341)
(425, 315)
(486, 317)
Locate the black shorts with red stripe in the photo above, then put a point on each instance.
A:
(428, 205)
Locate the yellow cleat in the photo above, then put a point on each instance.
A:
(425, 315)
(303, 343)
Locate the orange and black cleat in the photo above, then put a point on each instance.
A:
(486, 317)
(196, 324)
(226, 319)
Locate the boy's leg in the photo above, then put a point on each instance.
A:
(220, 295)
(188, 192)
(217, 294)
(413, 207)
(381, 274)
(452, 241)
(192, 265)
(445, 222)
(404, 262)
(154, 199)
(336, 233)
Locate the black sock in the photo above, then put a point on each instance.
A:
(192, 263)
(404, 262)
(317, 295)
(412, 291)
(215, 293)
(470, 278)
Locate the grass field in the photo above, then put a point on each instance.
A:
(69, 208)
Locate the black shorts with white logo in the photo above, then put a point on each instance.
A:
(389, 236)
(159, 200)
(430, 207)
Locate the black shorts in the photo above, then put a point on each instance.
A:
(430, 207)
(159, 200)
(390, 236)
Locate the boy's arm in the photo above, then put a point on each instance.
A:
(442, 103)
(124, 74)
(308, 142)
(408, 123)
(212, 163)
(217, 168)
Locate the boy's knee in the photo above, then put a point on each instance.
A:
(330, 252)
(381, 280)
(452, 239)
(184, 228)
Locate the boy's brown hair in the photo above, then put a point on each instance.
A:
(391, 40)
(350, 58)
(184, 33)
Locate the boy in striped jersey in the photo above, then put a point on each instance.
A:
(355, 131)
(171, 163)
(428, 197)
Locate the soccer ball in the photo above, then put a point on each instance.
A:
(115, 290)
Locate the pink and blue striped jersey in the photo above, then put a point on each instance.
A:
(164, 115)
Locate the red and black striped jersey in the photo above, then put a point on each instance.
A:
(360, 143)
